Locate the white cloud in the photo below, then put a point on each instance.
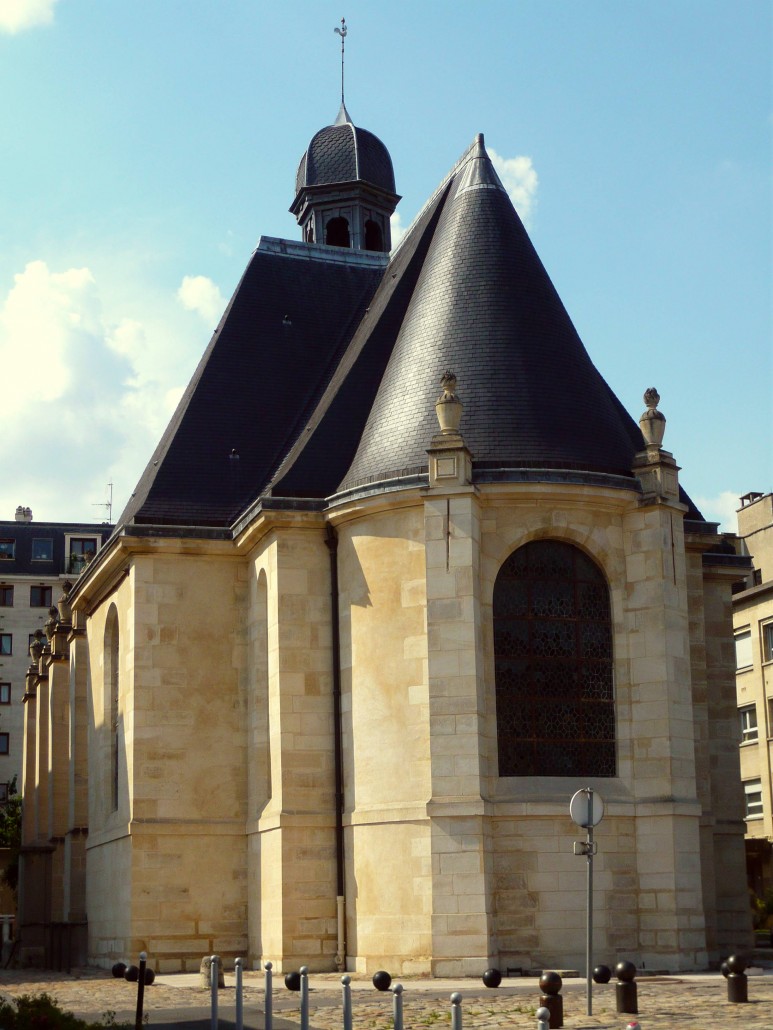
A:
(91, 383)
(519, 178)
(398, 229)
(200, 294)
(721, 508)
(17, 15)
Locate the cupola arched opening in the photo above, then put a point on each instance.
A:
(337, 232)
(374, 238)
(553, 664)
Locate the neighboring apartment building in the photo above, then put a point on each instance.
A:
(753, 627)
(35, 559)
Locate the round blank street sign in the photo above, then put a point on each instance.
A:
(585, 814)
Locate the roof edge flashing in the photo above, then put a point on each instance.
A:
(321, 252)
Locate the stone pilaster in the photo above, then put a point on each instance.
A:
(58, 761)
(731, 913)
(462, 864)
(297, 868)
(78, 781)
(668, 843)
(29, 759)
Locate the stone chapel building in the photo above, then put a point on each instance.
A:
(401, 576)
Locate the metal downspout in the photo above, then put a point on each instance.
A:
(331, 540)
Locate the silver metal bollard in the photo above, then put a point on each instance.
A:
(214, 976)
(543, 1018)
(268, 1004)
(347, 1001)
(397, 1007)
(456, 1011)
(304, 971)
(239, 998)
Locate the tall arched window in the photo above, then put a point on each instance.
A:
(337, 233)
(112, 688)
(553, 664)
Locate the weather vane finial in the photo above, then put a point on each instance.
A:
(342, 33)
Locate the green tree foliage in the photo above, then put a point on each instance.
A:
(10, 833)
(41, 1012)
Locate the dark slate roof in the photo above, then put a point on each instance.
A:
(344, 394)
(276, 347)
(17, 559)
(476, 299)
(342, 152)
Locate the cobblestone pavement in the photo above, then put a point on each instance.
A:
(665, 1003)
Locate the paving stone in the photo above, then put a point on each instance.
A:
(665, 1003)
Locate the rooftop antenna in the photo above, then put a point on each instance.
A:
(342, 33)
(108, 504)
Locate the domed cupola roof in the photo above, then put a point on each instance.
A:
(342, 152)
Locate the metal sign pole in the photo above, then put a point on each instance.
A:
(589, 921)
(586, 809)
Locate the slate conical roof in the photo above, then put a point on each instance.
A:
(480, 303)
(325, 368)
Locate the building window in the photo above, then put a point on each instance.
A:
(40, 597)
(7, 549)
(5, 743)
(82, 550)
(4, 793)
(743, 649)
(5, 693)
(6, 643)
(553, 664)
(749, 729)
(767, 641)
(756, 577)
(42, 549)
(753, 797)
(6, 597)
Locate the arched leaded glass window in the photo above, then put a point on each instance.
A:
(553, 664)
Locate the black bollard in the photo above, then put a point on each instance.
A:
(602, 974)
(382, 981)
(550, 985)
(626, 992)
(737, 980)
(140, 990)
(492, 978)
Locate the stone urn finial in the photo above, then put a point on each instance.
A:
(448, 407)
(51, 622)
(36, 646)
(63, 603)
(653, 422)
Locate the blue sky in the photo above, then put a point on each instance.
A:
(145, 145)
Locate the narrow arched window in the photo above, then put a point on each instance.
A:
(112, 689)
(553, 664)
(374, 238)
(337, 233)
